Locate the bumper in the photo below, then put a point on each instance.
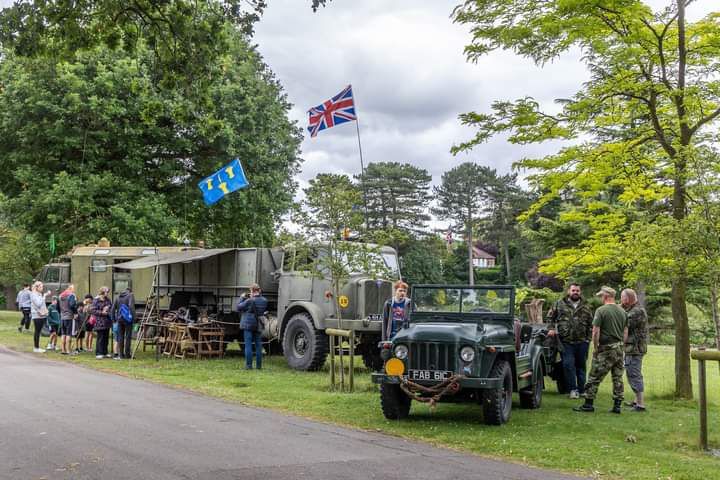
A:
(465, 382)
(359, 325)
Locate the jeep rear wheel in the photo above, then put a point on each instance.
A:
(559, 376)
(531, 397)
(395, 404)
(304, 347)
(497, 403)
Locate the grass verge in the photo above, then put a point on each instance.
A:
(659, 444)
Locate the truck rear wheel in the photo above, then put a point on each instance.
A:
(497, 403)
(393, 401)
(531, 397)
(304, 347)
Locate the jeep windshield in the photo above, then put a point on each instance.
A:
(461, 300)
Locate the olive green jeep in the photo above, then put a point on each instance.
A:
(463, 344)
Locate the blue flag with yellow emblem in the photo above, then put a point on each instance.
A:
(226, 180)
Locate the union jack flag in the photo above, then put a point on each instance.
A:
(339, 109)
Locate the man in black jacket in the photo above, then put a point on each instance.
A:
(125, 316)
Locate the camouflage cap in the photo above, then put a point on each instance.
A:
(605, 290)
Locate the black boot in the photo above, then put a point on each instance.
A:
(586, 407)
(617, 407)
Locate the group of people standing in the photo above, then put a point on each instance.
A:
(77, 323)
(619, 335)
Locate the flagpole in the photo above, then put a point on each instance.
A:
(362, 166)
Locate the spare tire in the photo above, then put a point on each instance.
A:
(305, 347)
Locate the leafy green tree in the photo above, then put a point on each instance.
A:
(460, 196)
(187, 37)
(653, 98)
(397, 196)
(96, 147)
(330, 210)
(423, 261)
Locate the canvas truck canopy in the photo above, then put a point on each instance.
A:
(171, 258)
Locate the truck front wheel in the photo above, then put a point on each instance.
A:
(393, 401)
(497, 403)
(304, 347)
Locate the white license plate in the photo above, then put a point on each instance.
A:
(435, 375)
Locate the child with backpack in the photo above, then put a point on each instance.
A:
(123, 312)
(54, 322)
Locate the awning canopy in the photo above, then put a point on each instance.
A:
(170, 258)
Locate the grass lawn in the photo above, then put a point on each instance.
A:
(665, 438)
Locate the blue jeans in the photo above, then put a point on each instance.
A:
(250, 339)
(574, 359)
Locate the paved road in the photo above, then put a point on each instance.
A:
(59, 421)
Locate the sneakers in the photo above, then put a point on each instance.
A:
(38, 350)
(574, 395)
(49, 346)
(108, 356)
(99, 357)
(617, 407)
(116, 357)
(638, 408)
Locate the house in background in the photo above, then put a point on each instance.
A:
(482, 259)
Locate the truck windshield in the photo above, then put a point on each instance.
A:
(463, 300)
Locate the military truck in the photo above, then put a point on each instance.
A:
(301, 305)
(463, 344)
(92, 267)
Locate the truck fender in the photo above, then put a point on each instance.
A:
(315, 312)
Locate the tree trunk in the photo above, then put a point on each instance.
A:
(506, 254)
(683, 378)
(10, 293)
(641, 294)
(715, 315)
(471, 272)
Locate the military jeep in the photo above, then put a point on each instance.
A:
(463, 344)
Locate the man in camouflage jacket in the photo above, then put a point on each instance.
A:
(635, 346)
(571, 319)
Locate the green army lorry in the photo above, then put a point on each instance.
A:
(90, 267)
(301, 306)
(463, 344)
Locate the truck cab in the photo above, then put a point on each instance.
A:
(463, 344)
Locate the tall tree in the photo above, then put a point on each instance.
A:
(187, 37)
(653, 97)
(96, 147)
(505, 201)
(460, 196)
(397, 196)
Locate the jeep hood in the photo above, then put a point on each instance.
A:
(440, 332)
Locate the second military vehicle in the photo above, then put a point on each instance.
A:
(463, 344)
(301, 305)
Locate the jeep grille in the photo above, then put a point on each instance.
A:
(432, 356)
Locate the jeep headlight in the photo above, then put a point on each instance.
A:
(401, 352)
(467, 354)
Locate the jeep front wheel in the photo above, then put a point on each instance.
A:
(304, 346)
(497, 403)
(531, 397)
(395, 404)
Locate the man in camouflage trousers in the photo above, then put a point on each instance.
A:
(635, 346)
(571, 318)
(609, 333)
